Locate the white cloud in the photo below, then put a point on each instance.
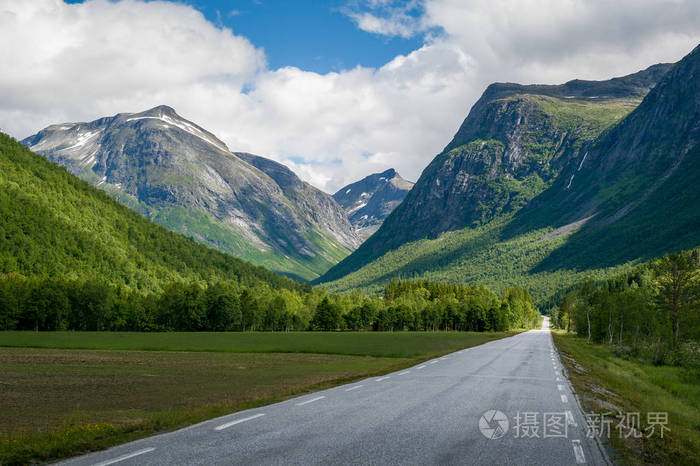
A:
(83, 61)
(80, 62)
(385, 17)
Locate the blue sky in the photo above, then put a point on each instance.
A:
(313, 35)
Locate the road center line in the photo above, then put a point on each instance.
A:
(237, 421)
(564, 399)
(310, 401)
(124, 457)
(578, 452)
(353, 388)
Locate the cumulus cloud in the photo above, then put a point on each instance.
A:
(80, 62)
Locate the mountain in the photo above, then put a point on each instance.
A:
(369, 201)
(510, 148)
(634, 193)
(55, 225)
(181, 176)
(542, 185)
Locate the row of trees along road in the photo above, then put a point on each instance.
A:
(56, 304)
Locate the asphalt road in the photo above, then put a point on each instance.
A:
(428, 414)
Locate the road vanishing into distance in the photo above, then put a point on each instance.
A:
(482, 405)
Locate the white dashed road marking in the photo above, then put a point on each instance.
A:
(564, 399)
(353, 388)
(578, 452)
(310, 401)
(124, 457)
(238, 421)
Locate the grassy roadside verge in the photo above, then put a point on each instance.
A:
(58, 403)
(606, 383)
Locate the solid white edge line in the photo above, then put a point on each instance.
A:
(124, 457)
(310, 401)
(578, 452)
(353, 388)
(237, 421)
(564, 399)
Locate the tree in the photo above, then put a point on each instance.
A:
(249, 310)
(223, 309)
(327, 317)
(674, 278)
(566, 309)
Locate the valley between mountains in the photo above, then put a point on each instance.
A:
(138, 250)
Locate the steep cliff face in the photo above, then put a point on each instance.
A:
(183, 177)
(634, 190)
(369, 201)
(511, 147)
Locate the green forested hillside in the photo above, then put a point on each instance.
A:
(474, 255)
(55, 225)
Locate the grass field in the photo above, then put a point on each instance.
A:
(61, 402)
(606, 383)
(378, 344)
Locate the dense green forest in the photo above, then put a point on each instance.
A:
(52, 224)
(57, 304)
(651, 311)
(484, 255)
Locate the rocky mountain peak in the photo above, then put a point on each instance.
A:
(182, 176)
(369, 201)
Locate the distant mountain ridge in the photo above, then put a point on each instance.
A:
(183, 177)
(370, 200)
